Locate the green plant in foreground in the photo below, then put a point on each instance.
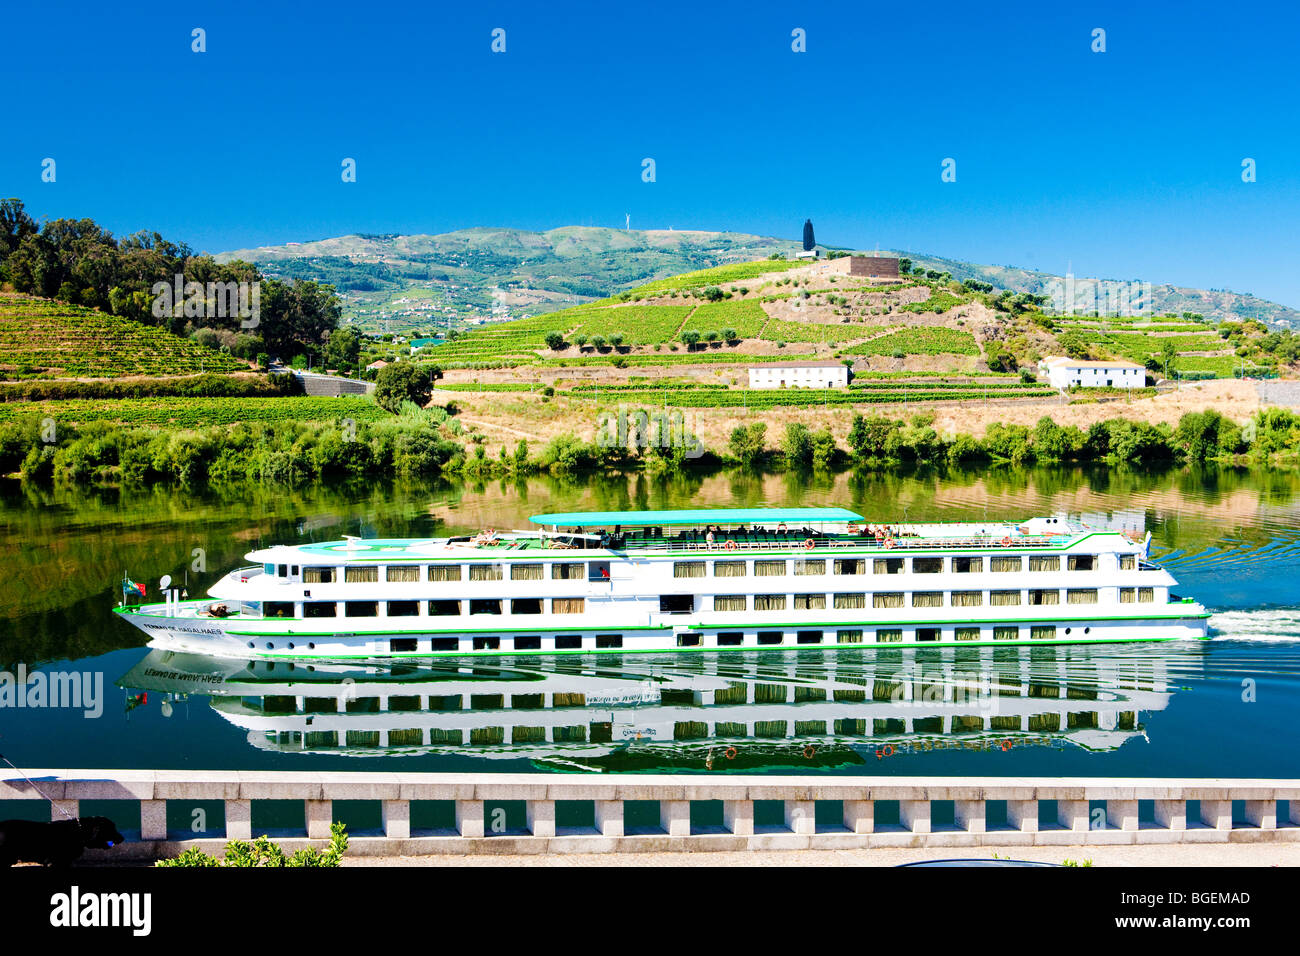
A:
(262, 852)
(1076, 863)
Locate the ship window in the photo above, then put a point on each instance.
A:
(888, 565)
(688, 640)
(278, 609)
(887, 599)
(676, 603)
(599, 571)
(1002, 563)
(927, 599)
(848, 637)
(847, 601)
(850, 566)
(1044, 562)
(889, 635)
(769, 602)
(487, 643)
(283, 571)
(1004, 598)
(567, 605)
(967, 565)
(808, 637)
(809, 566)
(771, 637)
(567, 571)
(688, 569)
(1082, 562)
(446, 644)
(403, 608)
(730, 638)
(320, 609)
(444, 572)
(1146, 595)
(529, 643)
(317, 575)
(927, 565)
(443, 608)
(361, 609)
(1006, 633)
(1128, 562)
(809, 602)
(293, 570)
(728, 569)
(769, 569)
(568, 642)
(966, 634)
(485, 606)
(526, 606)
(927, 633)
(967, 598)
(1044, 597)
(403, 645)
(485, 572)
(402, 572)
(1127, 595)
(609, 640)
(729, 602)
(526, 572)
(1081, 596)
(361, 575)
(1042, 632)
(269, 569)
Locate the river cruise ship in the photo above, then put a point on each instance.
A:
(709, 579)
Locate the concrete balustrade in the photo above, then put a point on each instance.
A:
(823, 813)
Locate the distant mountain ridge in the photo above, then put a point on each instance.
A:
(400, 282)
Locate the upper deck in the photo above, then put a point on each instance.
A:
(715, 530)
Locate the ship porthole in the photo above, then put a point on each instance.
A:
(291, 645)
(270, 646)
(1067, 630)
(311, 646)
(1087, 630)
(250, 643)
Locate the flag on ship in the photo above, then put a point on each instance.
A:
(129, 585)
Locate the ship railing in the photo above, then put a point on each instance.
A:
(749, 541)
(244, 575)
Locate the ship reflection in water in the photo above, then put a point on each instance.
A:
(738, 711)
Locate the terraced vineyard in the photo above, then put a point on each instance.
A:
(744, 316)
(919, 341)
(196, 412)
(788, 397)
(40, 338)
(718, 275)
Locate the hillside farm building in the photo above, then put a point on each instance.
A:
(799, 375)
(1115, 373)
(874, 267)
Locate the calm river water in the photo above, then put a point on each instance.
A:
(1225, 707)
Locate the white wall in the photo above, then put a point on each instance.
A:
(792, 376)
(1064, 376)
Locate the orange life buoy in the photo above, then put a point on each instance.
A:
(809, 544)
(888, 750)
(809, 752)
(1006, 745)
(731, 753)
(889, 542)
(731, 545)
(1006, 542)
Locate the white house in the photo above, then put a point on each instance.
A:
(1114, 373)
(806, 374)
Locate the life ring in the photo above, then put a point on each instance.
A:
(731, 753)
(889, 542)
(1006, 542)
(809, 752)
(889, 750)
(730, 545)
(1006, 745)
(809, 544)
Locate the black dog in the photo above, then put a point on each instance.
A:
(54, 844)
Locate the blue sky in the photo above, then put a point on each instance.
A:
(1125, 164)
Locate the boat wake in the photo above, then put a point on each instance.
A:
(1266, 624)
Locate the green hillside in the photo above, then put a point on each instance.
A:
(399, 283)
(41, 338)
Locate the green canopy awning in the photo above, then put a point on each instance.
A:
(794, 517)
